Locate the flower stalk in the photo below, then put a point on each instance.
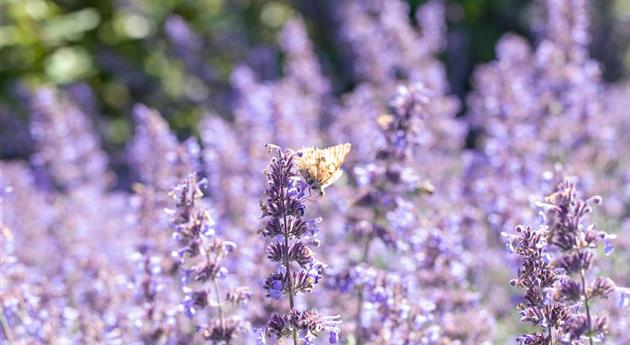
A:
(291, 237)
(202, 262)
(550, 258)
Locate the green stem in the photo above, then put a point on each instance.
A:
(219, 301)
(289, 282)
(586, 306)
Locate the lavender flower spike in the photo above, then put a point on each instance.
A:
(555, 267)
(290, 234)
(202, 256)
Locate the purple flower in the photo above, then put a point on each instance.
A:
(283, 210)
(559, 297)
(202, 259)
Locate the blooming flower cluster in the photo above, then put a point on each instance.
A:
(201, 255)
(291, 237)
(539, 113)
(391, 195)
(557, 271)
(410, 251)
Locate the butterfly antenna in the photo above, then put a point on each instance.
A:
(310, 196)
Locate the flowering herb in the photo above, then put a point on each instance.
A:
(291, 238)
(411, 238)
(556, 270)
(202, 254)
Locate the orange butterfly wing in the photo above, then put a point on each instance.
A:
(322, 166)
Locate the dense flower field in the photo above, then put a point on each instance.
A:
(226, 237)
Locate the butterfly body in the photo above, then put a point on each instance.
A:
(321, 167)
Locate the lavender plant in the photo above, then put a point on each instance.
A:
(60, 293)
(411, 228)
(558, 272)
(201, 255)
(388, 180)
(540, 114)
(153, 283)
(291, 236)
(559, 119)
(152, 316)
(388, 48)
(407, 302)
(66, 143)
(154, 137)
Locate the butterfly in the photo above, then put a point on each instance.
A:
(320, 167)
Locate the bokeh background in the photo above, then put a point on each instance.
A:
(127, 52)
(80, 145)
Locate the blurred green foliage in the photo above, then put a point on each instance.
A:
(119, 48)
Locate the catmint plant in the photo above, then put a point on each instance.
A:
(538, 277)
(153, 314)
(557, 271)
(291, 238)
(431, 275)
(65, 142)
(411, 238)
(388, 180)
(201, 257)
(153, 138)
